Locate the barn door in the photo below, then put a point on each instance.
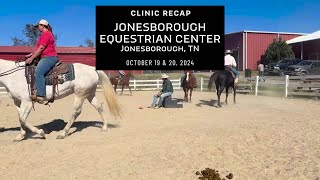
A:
(235, 54)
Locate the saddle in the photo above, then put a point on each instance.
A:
(228, 69)
(59, 74)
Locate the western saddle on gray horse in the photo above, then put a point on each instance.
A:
(59, 74)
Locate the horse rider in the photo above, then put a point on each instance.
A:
(185, 76)
(167, 90)
(48, 54)
(230, 64)
(121, 74)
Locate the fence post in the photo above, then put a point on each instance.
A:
(201, 83)
(134, 84)
(256, 86)
(158, 84)
(286, 84)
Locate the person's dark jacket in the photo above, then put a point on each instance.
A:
(167, 86)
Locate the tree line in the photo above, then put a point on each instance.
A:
(32, 34)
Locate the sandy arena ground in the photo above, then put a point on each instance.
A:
(258, 138)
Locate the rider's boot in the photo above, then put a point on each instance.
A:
(236, 80)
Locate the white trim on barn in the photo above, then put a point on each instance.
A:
(308, 37)
(243, 52)
(267, 32)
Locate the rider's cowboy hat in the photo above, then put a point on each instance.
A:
(164, 76)
(228, 51)
(42, 22)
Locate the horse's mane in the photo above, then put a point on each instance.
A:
(7, 61)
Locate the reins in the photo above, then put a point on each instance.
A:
(17, 68)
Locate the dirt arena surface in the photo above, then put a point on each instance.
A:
(257, 138)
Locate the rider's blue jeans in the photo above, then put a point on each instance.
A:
(43, 67)
(235, 71)
(162, 96)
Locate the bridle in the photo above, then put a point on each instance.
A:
(17, 68)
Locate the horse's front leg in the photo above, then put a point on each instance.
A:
(115, 88)
(186, 95)
(122, 89)
(130, 90)
(190, 95)
(24, 108)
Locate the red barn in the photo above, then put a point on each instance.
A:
(84, 55)
(249, 46)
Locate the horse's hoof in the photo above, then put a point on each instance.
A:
(42, 134)
(19, 138)
(219, 106)
(104, 129)
(61, 136)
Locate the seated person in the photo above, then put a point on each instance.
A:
(185, 76)
(167, 90)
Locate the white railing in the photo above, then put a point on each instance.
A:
(147, 85)
(3, 90)
(288, 87)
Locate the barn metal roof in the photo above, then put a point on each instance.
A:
(308, 37)
(267, 32)
(66, 50)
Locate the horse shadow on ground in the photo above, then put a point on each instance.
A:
(212, 102)
(58, 125)
(181, 100)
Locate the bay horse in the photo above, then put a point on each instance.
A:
(223, 79)
(83, 86)
(188, 84)
(124, 82)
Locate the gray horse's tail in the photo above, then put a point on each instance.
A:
(110, 95)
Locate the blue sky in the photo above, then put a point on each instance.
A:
(74, 20)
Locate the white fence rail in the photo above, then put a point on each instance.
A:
(3, 90)
(147, 85)
(290, 86)
(136, 85)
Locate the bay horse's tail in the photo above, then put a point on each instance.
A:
(110, 96)
(211, 80)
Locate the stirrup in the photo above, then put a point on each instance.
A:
(36, 98)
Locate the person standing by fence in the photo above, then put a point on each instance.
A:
(261, 71)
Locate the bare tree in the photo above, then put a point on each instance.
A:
(31, 34)
(89, 43)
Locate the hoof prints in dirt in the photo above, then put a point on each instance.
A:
(212, 174)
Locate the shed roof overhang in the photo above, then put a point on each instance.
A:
(308, 37)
